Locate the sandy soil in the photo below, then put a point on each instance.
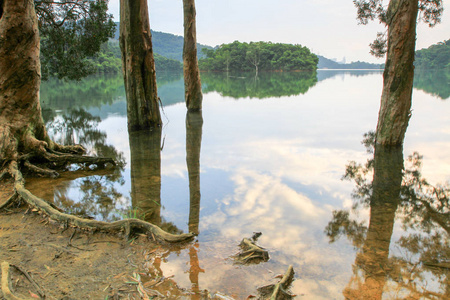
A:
(68, 263)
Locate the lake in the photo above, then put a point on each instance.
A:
(267, 155)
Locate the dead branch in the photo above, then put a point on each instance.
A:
(31, 280)
(278, 291)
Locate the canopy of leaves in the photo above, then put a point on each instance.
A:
(71, 31)
(239, 56)
(369, 10)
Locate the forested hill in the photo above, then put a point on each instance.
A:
(168, 45)
(434, 57)
(325, 63)
(257, 56)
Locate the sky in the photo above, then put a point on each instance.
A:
(328, 27)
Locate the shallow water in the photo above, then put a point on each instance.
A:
(268, 157)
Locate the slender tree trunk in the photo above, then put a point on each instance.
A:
(398, 77)
(192, 83)
(21, 124)
(138, 65)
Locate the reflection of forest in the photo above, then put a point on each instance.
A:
(265, 85)
(396, 194)
(97, 194)
(98, 91)
(434, 82)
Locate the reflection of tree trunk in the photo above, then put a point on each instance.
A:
(192, 83)
(373, 260)
(194, 123)
(138, 65)
(145, 149)
(194, 271)
(399, 72)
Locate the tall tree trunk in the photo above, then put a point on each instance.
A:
(192, 83)
(138, 66)
(21, 124)
(398, 75)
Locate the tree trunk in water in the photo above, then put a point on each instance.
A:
(192, 83)
(398, 75)
(138, 66)
(21, 124)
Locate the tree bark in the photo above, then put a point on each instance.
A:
(21, 123)
(192, 83)
(398, 74)
(138, 66)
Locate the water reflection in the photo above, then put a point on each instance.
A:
(96, 193)
(265, 85)
(434, 82)
(420, 259)
(145, 148)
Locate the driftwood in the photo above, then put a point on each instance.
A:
(251, 253)
(278, 291)
(128, 226)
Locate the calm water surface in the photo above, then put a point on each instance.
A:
(269, 156)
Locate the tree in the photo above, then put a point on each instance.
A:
(253, 55)
(192, 83)
(24, 142)
(400, 17)
(138, 66)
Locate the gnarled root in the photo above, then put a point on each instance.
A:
(278, 291)
(251, 253)
(129, 225)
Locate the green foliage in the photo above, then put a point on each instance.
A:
(434, 57)
(71, 31)
(166, 64)
(238, 57)
(265, 85)
(369, 10)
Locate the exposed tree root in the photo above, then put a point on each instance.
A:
(6, 283)
(128, 226)
(278, 291)
(251, 253)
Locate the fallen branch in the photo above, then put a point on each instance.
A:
(278, 291)
(128, 225)
(31, 280)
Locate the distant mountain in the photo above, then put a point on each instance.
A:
(168, 45)
(325, 63)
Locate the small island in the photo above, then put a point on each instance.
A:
(258, 56)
